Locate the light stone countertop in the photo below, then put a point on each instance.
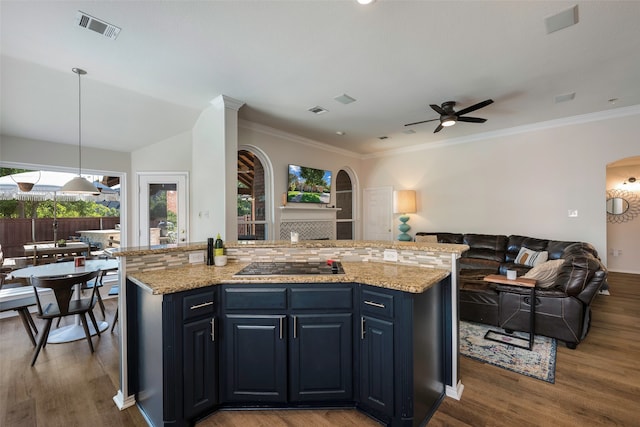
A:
(386, 275)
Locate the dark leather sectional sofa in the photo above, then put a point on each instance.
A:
(563, 310)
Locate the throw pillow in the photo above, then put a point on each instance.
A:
(545, 274)
(531, 258)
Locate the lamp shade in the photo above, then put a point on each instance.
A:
(404, 201)
(79, 185)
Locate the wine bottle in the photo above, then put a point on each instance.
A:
(219, 246)
(210, 251)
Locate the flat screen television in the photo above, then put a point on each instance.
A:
(308, 185)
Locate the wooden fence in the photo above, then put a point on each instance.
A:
(15, 232)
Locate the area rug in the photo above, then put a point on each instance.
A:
(539, 363)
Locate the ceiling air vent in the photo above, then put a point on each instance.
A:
(318, 110)
(87, 21)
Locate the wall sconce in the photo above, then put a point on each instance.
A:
(404, 202)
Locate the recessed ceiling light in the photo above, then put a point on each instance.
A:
(382, 138)
(318, 110)
(365, 1)
(613, 101)
(344, 99)
(409, 131)
(341, 133)
(565, 97)
(561, 20)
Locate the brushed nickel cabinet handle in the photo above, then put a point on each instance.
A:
(362, 328)
(375, 304)
(295, 326)
(281, 325)
(213, 329)
(204, 304)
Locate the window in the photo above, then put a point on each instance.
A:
(344, 201)
(252, 206)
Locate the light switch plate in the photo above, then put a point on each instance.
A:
(390, 255)
(196, 257)
(573, 213)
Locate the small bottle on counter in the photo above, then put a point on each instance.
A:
(210, 245)
(219, 246)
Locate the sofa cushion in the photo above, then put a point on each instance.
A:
(486, 246)
(530, 257)
(557, 247)
(516, 243)
(576, 272)
(545, 273)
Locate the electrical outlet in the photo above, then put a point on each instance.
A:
(390, 255)
(196, 257)
(573, 213)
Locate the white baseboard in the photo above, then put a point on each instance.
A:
(455, 392)
(123, 403)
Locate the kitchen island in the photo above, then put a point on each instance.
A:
(378, 337)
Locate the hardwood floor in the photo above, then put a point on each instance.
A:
(596, 384)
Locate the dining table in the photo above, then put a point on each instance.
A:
(53, 249)
(75, 331)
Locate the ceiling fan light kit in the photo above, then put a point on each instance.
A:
(449, 117)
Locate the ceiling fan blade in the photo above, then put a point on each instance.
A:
(475, 107)
(471, 119)
(438, 109)
(438, 129)
(417, 123)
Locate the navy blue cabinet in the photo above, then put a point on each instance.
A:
(174, 354)
(401, 354)
(376, 364)
(288, 344)
(321, 357)
(199, 352)
(255, 362)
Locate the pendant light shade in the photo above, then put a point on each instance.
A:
(79, 185)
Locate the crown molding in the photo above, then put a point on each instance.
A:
(549, 124)
(295, 138)
(224, 101)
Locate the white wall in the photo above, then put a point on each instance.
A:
(284, 149)
(624, 236)
(523, 183)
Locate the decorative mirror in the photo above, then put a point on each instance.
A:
(622, 205)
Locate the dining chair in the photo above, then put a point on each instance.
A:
(64, 305)
(19, 303)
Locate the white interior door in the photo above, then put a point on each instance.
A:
(163, 207)
(377, 213)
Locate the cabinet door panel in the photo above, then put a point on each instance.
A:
(377, 365)
(255, 358)
(321, 357)
(200, 367)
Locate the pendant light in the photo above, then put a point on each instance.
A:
(79, 185)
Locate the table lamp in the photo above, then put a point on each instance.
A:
(404, 202)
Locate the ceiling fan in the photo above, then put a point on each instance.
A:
(449, 117)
